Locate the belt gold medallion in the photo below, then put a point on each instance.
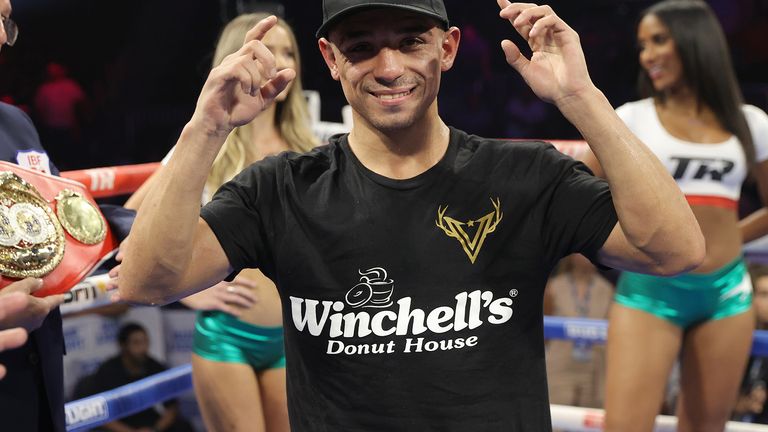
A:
(32, 236)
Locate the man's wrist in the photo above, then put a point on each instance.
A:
(200, 127)
(576, 103)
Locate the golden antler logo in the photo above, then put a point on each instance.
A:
(485, 225)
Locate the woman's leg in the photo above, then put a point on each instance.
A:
(228, 395)
(274, 399)
(641, 351)
(715, 354)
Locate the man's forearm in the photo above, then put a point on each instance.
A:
(652, 210)
(161, 240)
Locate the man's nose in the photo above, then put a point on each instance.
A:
(389, 64)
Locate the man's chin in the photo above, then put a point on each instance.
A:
(389, 124)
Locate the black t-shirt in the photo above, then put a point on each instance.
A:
(32, 393)
(414, 304)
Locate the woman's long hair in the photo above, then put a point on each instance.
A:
(707, 65)
(291, 116)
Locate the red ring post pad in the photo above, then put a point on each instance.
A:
(50, 228)
(113, 181)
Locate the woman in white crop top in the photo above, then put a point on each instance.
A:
(695, 121)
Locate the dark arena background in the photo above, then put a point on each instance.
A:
(141, 65)
(137, 67)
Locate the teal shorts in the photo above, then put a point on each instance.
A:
(691, 298)
(221, 337)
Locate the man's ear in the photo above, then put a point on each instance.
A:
(326, 49)
(451, 39)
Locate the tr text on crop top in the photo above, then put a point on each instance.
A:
(708, 174)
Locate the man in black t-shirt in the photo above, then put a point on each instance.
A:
(411, 258)
(133, 363)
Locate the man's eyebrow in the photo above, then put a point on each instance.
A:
(361, 32)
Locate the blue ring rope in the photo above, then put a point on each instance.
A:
(596, 331)
(115, 404)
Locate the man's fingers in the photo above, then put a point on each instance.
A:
(257, 51)
(12, 304)
(273, 87)
(27, 286)
(54, 301)
(514, 57)
(261, 28)
(541, 26)
(13, 338)
(511, 11)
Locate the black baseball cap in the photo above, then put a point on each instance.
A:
(334, 10)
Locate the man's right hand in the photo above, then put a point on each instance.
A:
(242, 86)
(19, 308)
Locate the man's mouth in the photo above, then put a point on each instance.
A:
(390, 96)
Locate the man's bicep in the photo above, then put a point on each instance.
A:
(617, 252)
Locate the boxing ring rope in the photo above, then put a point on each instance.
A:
(574, 419)
(596, 331)
(108, 406)
(113, 181)
(131, 398)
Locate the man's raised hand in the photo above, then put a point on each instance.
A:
(557, 69)
(243, 85)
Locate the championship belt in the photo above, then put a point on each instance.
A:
(50, 228)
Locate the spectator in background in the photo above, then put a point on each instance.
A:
(58, 108)
(132, 364)
(751, 404)
(576, 369)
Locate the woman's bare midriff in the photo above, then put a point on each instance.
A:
(267, 311)
(722, 235)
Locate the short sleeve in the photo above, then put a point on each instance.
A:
(236, 216)
(757, 120)
(578, 208)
